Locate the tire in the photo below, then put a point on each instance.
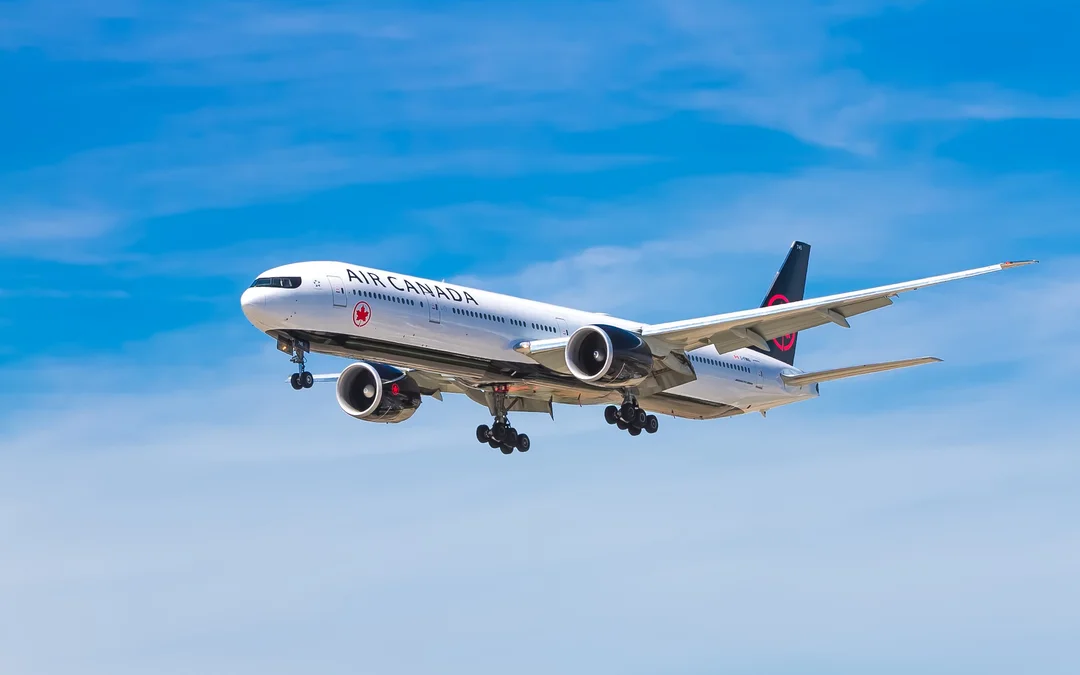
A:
(627, 412)
(482, 433)
(495, 444)
(622, 425)
(307, 379)
(640, 417)
(523, 442)
(498, 432)
(510, 438)
(652, 424)
(506, 449)
(295, 382)
(611, 414)
(634, 431)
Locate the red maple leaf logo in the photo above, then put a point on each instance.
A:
(361, 314)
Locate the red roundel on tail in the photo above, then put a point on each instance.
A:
(785, 342)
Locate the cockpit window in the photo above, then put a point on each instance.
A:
(276, 282)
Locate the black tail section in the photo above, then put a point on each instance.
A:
(788, 286)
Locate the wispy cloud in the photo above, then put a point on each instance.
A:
(313, 98)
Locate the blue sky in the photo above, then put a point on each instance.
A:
(168, 504)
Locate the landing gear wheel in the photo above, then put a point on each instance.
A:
(611, 414)
(510, 437)
(294, 380)
(307, 379)
(622, 425)
(627, 412)
(506, 449)
(523, 443)
(483, 433)
(498, 432)
(639, 418)
(652, 424)
(634, 431)
(494, 443)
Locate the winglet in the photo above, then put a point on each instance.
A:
(1018, 263)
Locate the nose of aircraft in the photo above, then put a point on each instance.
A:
(253, 302)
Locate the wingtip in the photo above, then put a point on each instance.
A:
(1018, 263)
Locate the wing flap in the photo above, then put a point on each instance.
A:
(854, 371)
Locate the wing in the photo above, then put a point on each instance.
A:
(755, 327)
(430, 383)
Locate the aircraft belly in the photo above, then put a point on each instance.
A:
(401, 337)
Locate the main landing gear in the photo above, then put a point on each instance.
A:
(501, 435)
(301, 379)
(630, 417)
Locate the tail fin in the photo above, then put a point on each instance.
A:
(788, 286)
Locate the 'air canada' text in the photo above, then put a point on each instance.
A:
(407, 286)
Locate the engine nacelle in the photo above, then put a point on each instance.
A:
(607, 356)
(375, 392)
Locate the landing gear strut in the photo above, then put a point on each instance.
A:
(501, 435)
(630, 417)
(301, 379)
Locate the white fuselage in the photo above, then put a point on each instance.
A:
(430, 324)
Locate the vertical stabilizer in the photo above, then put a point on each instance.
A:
(788, 286)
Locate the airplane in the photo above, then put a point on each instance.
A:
(412, 337)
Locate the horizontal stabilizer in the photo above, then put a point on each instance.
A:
(852, 371)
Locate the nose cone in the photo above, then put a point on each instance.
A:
(253, 302)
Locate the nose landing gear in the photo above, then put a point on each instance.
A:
(301, 379)
(630, 417)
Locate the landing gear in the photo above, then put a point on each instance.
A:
(301, 379)
(504, 437)
(501, 435)
(630, 417)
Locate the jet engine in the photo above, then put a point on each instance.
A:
(375, 392)
(607, 356)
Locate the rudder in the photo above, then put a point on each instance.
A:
(788, 286)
